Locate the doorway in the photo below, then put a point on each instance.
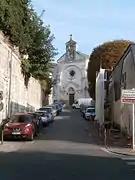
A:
(71, 99)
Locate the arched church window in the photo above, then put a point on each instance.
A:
(72, 73)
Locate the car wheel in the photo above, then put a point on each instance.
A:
(31, 137)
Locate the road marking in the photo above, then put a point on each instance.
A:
(131, 163)
(110, 152)
(129, 158)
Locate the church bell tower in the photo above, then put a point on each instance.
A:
(71, 49)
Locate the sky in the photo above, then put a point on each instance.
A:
(91, 22)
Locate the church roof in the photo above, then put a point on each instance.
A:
(82, 54)
(71, 41)
(79, 55)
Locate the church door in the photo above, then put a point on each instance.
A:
(71, 99)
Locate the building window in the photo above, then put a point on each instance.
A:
(72, 73)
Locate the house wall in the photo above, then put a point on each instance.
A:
(129, 73)
(22, 99)
(115, 93)
(125, 69)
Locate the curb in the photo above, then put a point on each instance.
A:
(119, 153)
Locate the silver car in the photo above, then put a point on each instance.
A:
(90, 113)
(44, 117)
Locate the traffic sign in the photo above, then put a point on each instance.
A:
(128, 96)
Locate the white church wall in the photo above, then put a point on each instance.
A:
(64, 79)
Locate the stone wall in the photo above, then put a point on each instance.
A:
(19, 98)
(123, 77)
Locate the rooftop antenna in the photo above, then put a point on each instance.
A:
(70, 37)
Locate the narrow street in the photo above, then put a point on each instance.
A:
(66, 150)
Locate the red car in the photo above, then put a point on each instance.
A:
(21, 126)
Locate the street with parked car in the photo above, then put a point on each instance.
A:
(28, 125)
(67, 149)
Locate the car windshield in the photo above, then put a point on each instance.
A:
(33, 115)
(42, 113)
(57, 105)
(48, 109)
(54, 107)
(42, 109)
(91, 110)
(21, 118)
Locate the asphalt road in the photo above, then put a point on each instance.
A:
(66, 150)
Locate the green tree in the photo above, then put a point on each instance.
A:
(106, 55)
(41, 51)
(25, 29)
(14, 21)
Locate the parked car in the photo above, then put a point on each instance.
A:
(55, 109)
(21, 126)
(76, 105)
(58, 107)
(38, 122)
(83, 110)
(81, 107)
(44, 117)
(49, 109)
(90, 113)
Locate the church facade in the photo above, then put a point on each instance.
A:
(70, 75)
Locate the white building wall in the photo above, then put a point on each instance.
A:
(100, 96)
(79, 82)
(21, 97)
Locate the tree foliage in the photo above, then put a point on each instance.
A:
(26, 30)
(105, 55)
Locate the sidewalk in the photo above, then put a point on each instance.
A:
(118, 144)
(122, 151)
(10, 146)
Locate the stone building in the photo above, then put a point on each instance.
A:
(70, 75)
(16, 97)
(122, 77)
